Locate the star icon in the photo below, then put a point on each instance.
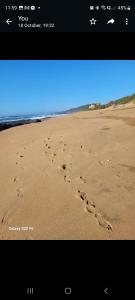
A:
(93, 21)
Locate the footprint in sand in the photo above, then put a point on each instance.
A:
(102, 222)
(20, 166)
(63, 169)
(67, 178)
(64, 149)
(18, 162)
(4, 220)
(82, 179)
(48, 146)
(82, 195)
(106, 163)
(90, 207)
(15, 179)
(54, 155)
(20, 193)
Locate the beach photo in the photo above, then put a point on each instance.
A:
(67, 149)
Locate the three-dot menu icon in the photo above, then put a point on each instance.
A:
(126, 21)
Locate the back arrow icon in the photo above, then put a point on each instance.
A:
(106, 290)
(8, 21)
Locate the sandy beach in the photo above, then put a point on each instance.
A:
(70, 177)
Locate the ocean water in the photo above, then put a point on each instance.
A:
(7, 119)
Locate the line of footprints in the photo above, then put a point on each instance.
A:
(7, 216)
(90, 206)
(19, 190)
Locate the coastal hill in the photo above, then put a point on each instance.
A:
(87, 107)
(93, 106)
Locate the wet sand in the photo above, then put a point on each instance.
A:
(70, 177)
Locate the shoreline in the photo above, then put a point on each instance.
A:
(10, 124)
(7, 125)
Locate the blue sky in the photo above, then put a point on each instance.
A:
(44, 86)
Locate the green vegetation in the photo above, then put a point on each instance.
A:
(86, 107)
(125, 100)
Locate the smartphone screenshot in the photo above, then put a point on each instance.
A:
(68, 16)
(67, 163)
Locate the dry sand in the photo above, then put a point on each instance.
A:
(70, 177)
